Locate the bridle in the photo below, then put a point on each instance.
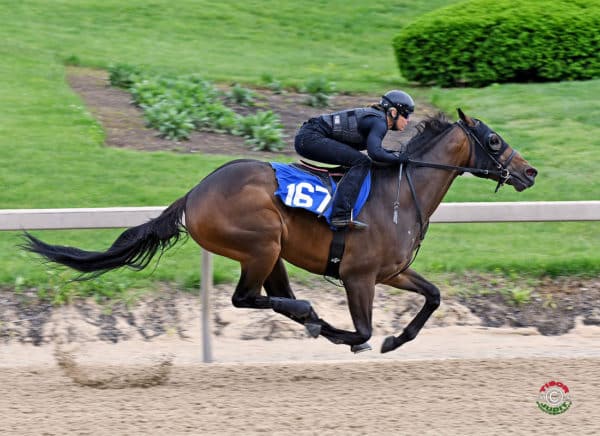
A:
(502, 167)
(502, 172)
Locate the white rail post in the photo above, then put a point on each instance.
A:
(205, 287)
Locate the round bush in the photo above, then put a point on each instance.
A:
(479, 42)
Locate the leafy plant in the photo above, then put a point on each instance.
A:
(227, 121)
(320, 91)
(214, 116)
(271, 83)
(172, 121)
(263, 130)
(72, 60)
(123, 75)
(148, 92)
(240, 95)
(177, 105)
(518, 296)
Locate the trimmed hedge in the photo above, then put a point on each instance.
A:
(479, 42)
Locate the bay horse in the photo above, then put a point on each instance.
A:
(234, 212)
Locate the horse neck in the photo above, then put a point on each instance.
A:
(432, 184)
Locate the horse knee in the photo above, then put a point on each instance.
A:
(364, 336)
(433, 299)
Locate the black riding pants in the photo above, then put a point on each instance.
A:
(312, 142)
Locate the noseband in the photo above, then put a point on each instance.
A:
(502, 172)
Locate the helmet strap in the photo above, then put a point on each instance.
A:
(395, 119)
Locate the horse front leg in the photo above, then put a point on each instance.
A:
(411, 281)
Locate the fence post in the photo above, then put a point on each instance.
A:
(205, 287)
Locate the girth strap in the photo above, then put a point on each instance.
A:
(336, 252)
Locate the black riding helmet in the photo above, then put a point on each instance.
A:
(401, 101)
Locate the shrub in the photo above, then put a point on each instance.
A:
(319, 90)
(479, 42)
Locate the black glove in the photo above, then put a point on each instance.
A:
(402, 156)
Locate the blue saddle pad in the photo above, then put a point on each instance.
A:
(299, 188)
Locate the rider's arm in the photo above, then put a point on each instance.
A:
(377, 128)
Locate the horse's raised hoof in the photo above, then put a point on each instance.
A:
(313, 329)
(389, 344)
(360, 348)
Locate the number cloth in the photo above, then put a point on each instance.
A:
(298, 188)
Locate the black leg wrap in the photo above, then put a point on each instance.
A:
(298, 308)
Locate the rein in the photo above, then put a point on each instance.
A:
(502, 173)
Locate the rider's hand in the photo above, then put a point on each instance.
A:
(402, 156)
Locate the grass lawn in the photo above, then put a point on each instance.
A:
(53, 154)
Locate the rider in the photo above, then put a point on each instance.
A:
(337, 138)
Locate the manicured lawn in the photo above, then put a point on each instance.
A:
(52, 150)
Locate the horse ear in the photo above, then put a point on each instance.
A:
(467, 120)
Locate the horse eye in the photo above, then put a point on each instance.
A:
(494, 142)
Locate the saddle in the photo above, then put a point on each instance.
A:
(311, 186)
(325, 172)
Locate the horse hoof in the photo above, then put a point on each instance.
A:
(313, 329)
(360, 348)
(389, 344)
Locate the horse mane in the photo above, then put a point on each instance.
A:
(427, 130)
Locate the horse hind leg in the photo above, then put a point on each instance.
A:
(277, 286)
(270, 272)
(258, 272)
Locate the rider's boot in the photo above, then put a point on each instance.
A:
(341, 222)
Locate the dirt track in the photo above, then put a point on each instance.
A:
(386, 397)
(458, 377)
(435, 385)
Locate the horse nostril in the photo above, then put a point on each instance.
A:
(531, 172)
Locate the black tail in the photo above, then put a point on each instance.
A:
(135, 247)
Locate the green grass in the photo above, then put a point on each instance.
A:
(52, 150)
(556, 126)
(348, 41)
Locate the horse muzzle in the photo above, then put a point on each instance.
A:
(522, 178)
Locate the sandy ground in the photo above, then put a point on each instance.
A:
(453, 380)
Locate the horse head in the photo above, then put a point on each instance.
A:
(494, 157)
